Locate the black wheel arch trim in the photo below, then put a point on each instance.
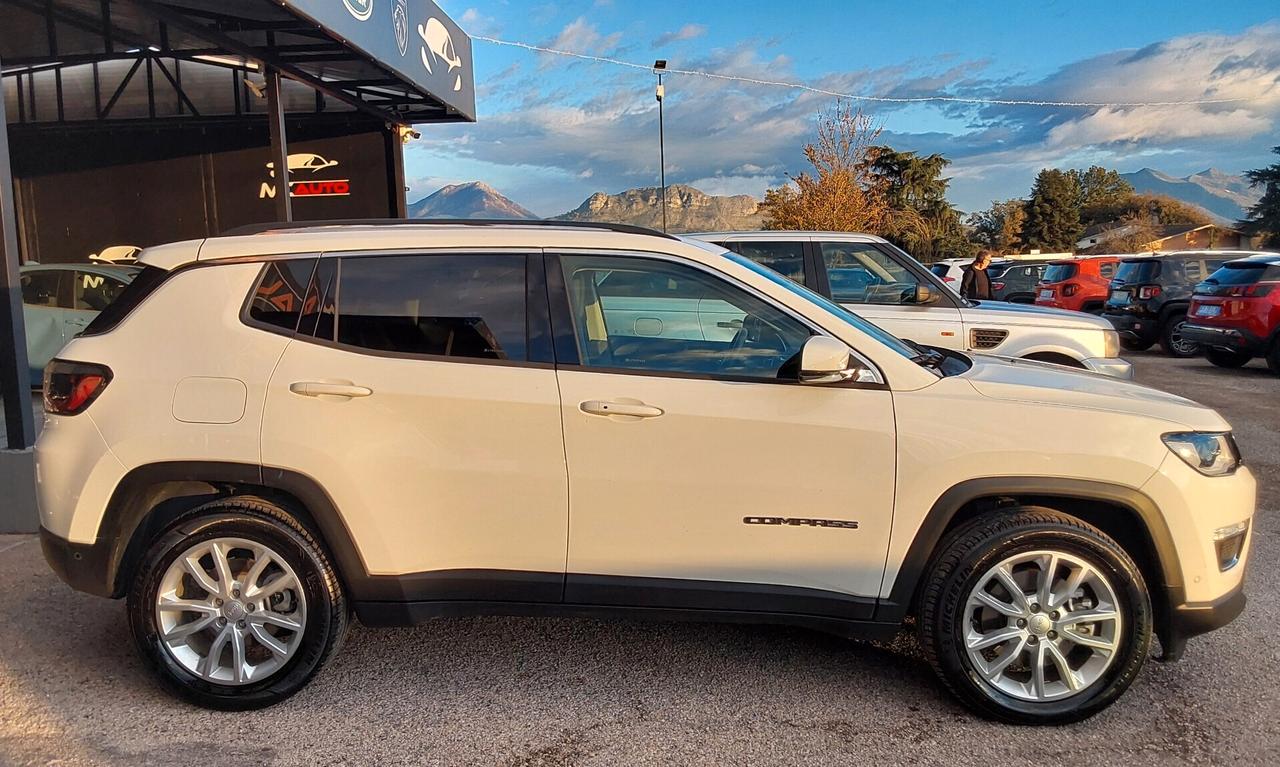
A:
(930, 533)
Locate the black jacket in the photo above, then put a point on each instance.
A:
(976, 284)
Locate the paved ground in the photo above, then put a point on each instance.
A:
(558, 692)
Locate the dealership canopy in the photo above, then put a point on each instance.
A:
(179, 97)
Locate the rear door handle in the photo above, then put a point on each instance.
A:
(634, 409)
(322, 389)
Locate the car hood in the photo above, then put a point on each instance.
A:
(1018, 380)
(1005, 313)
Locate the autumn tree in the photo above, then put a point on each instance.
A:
(1101, 191)
(1000, 226)
(842, 192)
(1053, 212)
(1263, 219)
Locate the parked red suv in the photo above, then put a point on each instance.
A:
(1079, 284)
(1235, 313)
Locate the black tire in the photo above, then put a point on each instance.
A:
(1225, 358)
(966, 556)
(1171, 341)
(1134, 345)
(1273, 357)
(259, 521)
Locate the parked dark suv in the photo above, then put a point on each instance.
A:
(1016, 281)
(1150, 294)
(1235, 313)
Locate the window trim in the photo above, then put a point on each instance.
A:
(566, 343)
(531, 276)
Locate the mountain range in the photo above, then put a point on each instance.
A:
(1224, 196)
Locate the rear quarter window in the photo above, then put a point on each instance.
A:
(144, 284)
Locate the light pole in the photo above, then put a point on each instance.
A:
(659, 67)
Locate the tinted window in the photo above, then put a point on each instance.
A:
(318, 305)
(785, 258)
(690, 323)
(278, 299)
(95, 292)
(143, 284)
(451, 306)
(1060, 272)
(1193, 271)
(1245, 274)
(42, 288)
(940, 270)
(1132, 272)
(861, 273)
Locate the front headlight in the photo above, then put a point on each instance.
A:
(1213, 454)
(1110, 343)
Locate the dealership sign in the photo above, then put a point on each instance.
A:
(413, 38)
(303, 180)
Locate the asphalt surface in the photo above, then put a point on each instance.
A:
(508, 691)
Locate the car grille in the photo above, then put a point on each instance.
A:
(986, 338)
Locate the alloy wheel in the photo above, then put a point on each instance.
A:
(1180, 343)
(1042, 625)
(231, 611)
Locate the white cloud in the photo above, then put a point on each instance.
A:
(687, 32)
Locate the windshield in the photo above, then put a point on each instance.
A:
(1059, 272)
(1138, 271)
(884, 337)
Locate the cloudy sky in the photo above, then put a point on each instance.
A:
(552, 130)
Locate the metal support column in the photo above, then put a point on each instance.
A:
(279, 145)
(15, 383)
(394, 143)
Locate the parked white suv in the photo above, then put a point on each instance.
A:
(410, 421)
(885, 285)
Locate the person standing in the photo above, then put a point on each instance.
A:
(976, 284)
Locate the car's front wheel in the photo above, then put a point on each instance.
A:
(1035, 617)
(236, 605)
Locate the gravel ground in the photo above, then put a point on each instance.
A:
(512, 691)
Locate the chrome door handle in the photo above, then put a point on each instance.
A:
(322, 389)
(636, 410)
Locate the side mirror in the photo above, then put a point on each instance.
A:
(824, 360)
(922, 295)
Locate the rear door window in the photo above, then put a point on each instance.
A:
(95, 292)
(465, 306)
(785, 258)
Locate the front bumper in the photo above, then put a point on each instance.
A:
(84, 567)
(1190, 619)
(1110, 366)
(1232, 339)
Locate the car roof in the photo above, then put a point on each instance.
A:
(394, 235)
(125, 271)
(1189, 254)
(1258, 258)
(774, 235)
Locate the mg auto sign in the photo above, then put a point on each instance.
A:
(307, 178)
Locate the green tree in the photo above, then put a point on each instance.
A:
(1263, 219)
(1053, 212)
(921, 220)
(1101, 191)
(1000, 226)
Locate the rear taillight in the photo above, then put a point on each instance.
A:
(1070, 289)
(948, 279)
(1148, 291)
(997, 286)
(1256, 290)
(70, 387)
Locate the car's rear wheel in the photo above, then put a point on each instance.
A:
(1225, 358)
(1172, 340)
(1034, 617)
(236, 605)
(1273, 357)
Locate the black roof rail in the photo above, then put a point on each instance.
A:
(290, 226)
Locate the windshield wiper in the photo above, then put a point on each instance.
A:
(929, 359)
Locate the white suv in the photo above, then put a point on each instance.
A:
(410, 421)
(885, 285)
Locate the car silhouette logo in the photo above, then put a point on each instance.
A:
(437, 46)
(303, 161)
(361, 9)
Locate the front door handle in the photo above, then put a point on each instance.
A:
(633, 409)
(323, 389)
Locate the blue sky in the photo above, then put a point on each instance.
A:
(552, 130)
